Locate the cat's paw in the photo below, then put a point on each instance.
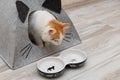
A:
(41, 46)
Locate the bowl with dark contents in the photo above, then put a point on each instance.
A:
(51, 67)
(54, 66)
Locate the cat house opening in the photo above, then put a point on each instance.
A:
(32, 39)
(30, 30)
(33, 35)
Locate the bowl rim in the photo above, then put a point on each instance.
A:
(81, 53)
(47, 58)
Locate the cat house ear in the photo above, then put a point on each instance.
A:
(54, 5)
(23, 10)
(51, 31)
(65, 25)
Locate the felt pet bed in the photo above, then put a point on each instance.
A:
(16, 48)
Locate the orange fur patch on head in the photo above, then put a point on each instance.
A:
(58, 26)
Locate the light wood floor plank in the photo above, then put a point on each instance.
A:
(100, 71)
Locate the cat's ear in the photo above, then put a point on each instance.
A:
(23, 10)
(51, 31)
(65, 25)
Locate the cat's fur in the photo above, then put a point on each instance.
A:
(46, 27)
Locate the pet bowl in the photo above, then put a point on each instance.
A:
(51, 67)
(54, 66)
(73, 58)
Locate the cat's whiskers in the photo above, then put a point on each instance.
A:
(26, 50)
(68, 37)
(68, 33)
(66, 40)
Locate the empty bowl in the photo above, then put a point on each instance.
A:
(73, 58)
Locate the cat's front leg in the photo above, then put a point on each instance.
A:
(40, 43)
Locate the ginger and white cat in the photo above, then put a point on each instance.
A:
(46, 27)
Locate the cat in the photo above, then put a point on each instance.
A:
(44, 27)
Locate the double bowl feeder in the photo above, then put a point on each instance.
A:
(54, 66)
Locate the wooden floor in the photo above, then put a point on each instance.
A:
(98, 25)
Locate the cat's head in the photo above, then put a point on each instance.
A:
(55, 32)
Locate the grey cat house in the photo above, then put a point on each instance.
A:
(16, 48)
